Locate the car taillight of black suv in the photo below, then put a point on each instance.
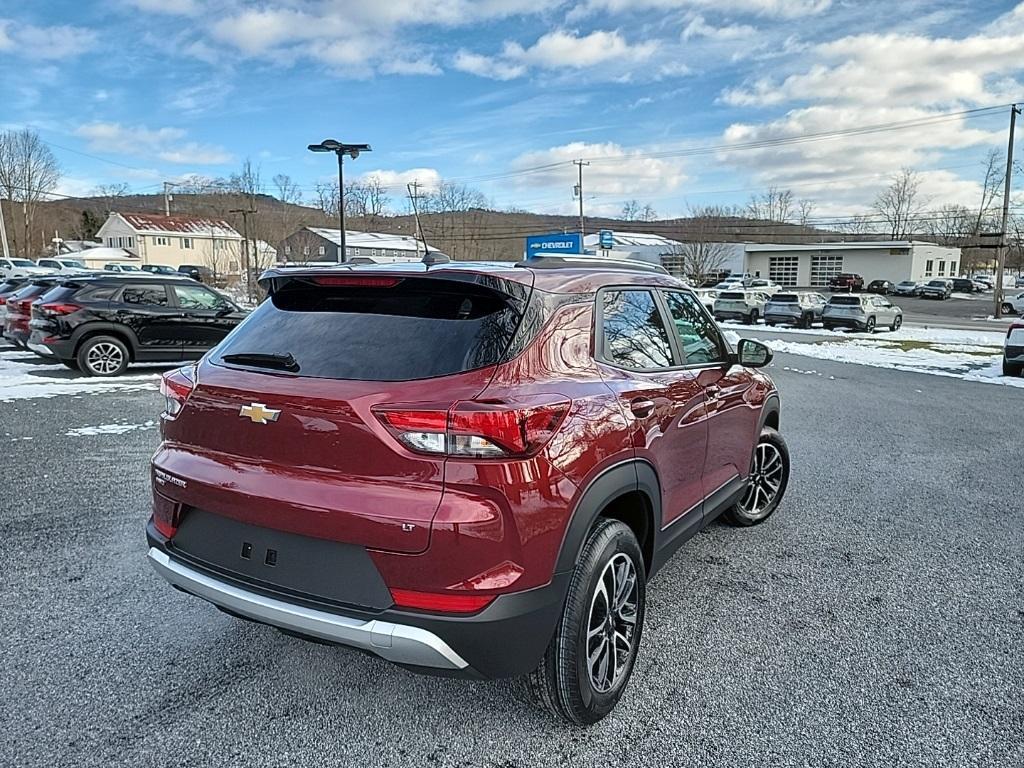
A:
(470, 470)
(99, 324)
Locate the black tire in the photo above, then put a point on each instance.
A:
(102, 356)
(1008, 309)
(752, 317)
(805, 321)
(869, 326)
(896, 323)
(1012, 369)
(563, 683)
(745, 513)
(72, 364)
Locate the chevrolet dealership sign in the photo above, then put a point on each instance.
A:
(555, 243)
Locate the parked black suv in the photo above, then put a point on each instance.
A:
(100, 324)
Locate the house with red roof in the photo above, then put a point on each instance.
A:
(175, 240)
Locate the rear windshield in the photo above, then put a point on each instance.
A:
(852, 301)
(417, 329)
(732, 295)
(938, 283)
(785, 298)
(58, 293)
(10, 285)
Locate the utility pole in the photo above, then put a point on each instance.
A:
(1001, 257)
(167, 197)
(3, 233)
(414, 197)
(579, 191)
(246, 261)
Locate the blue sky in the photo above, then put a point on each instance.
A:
(503, 94)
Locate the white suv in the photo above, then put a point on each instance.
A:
(1014, 304)
(21, 268)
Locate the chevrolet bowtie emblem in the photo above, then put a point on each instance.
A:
(258, 413)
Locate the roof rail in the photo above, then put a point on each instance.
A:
(561, 261)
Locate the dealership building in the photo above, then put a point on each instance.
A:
(812, 265)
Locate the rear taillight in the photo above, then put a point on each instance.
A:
(478, 429)
(56, 309)
(343, 281)
(176, 386)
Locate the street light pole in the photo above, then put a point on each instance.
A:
(340, 149)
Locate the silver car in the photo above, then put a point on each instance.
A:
(1013, 351)
(865, 312)
(801, 309)
(747, 306)
(907, 288)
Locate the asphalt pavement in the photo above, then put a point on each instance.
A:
(877, 619)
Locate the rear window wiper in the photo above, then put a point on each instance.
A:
(284, 362)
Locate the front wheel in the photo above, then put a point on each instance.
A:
(1008, 309)
(869, 326)
(767, 482)
(752, 317)
(590, 659)
(896, 323)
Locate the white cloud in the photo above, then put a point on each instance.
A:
(422, 66)
(57, 42)
(698, 27)
(559, 51)
(163, 143)
(615, 173)
(486, 66)
(168, 7)
(395, 181)
(786, 9)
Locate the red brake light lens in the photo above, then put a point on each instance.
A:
(357, 281)
(56, 308)
(479, 429)
(441, 603)
(176, 386)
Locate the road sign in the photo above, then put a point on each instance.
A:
(554, 243)
(606, 238)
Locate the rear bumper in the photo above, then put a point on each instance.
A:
(63, 349)
(395, 642)
(731, 315)
(783, 317)
(506, 639)
(843, 322)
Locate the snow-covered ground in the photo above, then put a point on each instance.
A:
(970, 355)
(24, 375)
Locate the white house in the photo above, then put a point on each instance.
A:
(320, 244)
(671, 254)
(175, 240)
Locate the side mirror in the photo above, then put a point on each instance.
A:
(752, 354)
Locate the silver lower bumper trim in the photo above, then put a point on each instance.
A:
(42, 349)
(399, 643)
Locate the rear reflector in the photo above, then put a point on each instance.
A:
(479, 429)
(440, 603)
(357, 281)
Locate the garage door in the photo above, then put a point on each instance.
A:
(823, 268)
(782, 270)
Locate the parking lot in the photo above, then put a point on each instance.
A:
(876, 619)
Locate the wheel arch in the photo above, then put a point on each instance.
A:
(629, 492)
(119, 332)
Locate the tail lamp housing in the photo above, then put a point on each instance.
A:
(483, 429)
(176, 386)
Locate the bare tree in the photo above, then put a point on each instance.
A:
(28, 171)
(901, 204)
(856, 226)
(950, 225)
(110, 193)
(455, 220)
(632, 210)
(773, 205)
(804, 212)
(287, 190)
(702, 253)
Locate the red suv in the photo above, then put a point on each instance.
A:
(469, 469)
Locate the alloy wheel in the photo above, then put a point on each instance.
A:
(104, 358)
(766, 478)
(611, 626)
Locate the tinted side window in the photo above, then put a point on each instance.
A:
(153, 295)
(698, 335)
(634, 331)
(197, 297)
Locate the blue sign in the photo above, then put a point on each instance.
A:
(554, 243)
(606, 238)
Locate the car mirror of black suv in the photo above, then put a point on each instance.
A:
(752, 354)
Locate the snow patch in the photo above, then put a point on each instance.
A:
(110, 429)
(24, 376)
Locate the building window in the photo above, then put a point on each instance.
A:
(162, 240)
(287, 250)
(305, 250)
(348, 251)
(129, 242)
(357, 251)
(186, 242)
(942, 268)
(783, 269)
(825, 267)
(234, 266)
(373, 252)
(322, 251)
(952, 268)
(928, 266)
(110, 242)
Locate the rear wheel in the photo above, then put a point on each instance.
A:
(769, 476)
(1012, 369)
(590, 659)
(869, 326)
(805, 321)
(752, 317)
(896, 323)
(1008, 308)
(102, 356)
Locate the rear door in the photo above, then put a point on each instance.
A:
(147, 310)
(663, 400)
(206, 318)
(300, 448)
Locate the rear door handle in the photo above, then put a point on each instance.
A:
(712, 393)
(641, 407)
